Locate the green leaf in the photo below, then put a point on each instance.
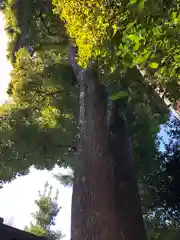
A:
(130, 25)
(118, 95)
(136, 47)
(141, 58)
(174, 14)
(133, 1)
(154, 65)
(115, 28)
(134, 38)
(118, 53)
(141, 5)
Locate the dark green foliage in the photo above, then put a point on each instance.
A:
(168, 175)
(65, 179)
(31, 24)
(144, 112)
(163, 190)
(2, 4)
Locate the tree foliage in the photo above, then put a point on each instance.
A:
(46, 215)
(39, 124)
(32, 24)
(127, 33)
(162, 195)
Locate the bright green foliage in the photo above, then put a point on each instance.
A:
(129, 33)
(38, 126)
(87, 22)
(48, 210)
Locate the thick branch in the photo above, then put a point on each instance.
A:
(72, 59)
(160, 94)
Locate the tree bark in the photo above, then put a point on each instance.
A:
(94, 216)
(128, 203)
(105, 203)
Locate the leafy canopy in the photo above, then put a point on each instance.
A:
(40, 123)
(127, 33)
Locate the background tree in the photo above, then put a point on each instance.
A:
(162, 195)
(46, 214)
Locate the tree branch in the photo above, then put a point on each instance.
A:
(72, 59)
(155, 88)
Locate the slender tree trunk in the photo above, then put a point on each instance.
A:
(94, 216)
(128, 203)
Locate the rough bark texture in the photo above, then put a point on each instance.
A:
(128, 203)
(94, 215)
(105, 203)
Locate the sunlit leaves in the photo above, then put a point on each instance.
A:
(88, 23)
(153, 65)
(49, 117)
(36, 230)
(38, 124)
(138, 32)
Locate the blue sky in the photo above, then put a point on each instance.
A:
(17, 198)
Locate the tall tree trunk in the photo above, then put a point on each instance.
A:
(128, 202)
(94, 216)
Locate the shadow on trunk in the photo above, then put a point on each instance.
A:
(105, 201)
(128, 203)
